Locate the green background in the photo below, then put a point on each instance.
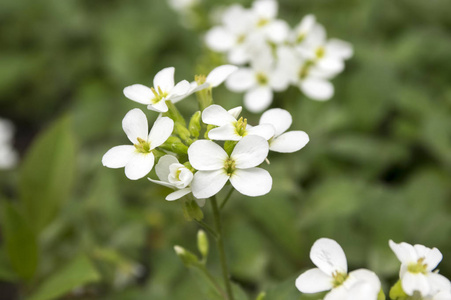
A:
(377, 167)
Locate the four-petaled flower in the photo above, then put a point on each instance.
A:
(229, 128)
(215, 167)
(285, 142)
(138, 159)
(332, 274)
(417, 265)
(163, 90)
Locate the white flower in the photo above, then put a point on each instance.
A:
(332, 274)
(231, 129)
(264, 13)
(138, 159)
(215, 167)
(214, 78)
(285, 142)
(8, 157)
(259, 81)
(417, 265)
(182, 5)
(163, 90)
(173, 175)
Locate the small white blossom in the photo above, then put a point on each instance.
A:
(8, 156)
(215, 167)
(174, 175)
(163, 90)
(217, 76)
(332, 274)
(138, 159)
(417, 265)
(285, 142)
(263, 14)
(229, 128)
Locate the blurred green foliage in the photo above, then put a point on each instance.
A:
(378, 165)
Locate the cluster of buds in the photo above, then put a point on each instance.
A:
(198, 159)
(417, 278)
(274, 56)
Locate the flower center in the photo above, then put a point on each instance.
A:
(159, 95)
(262, 22)
(240, 39)
(262, 79)
(320, 51)
(200, 79)
(300, 38)
(229, 166)
(303, 72)
(339, 278)
(142, 146)
(419, 267)
(240, 127)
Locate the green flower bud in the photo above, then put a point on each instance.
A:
(261, 296)
(381, 295)
(179, 148)
(194, 124)
(209, 127)
(202, 243)
(192, 211)
(188, 258)
(182, 132)
(396, 292)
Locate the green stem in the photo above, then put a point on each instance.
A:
(226, 198)
(212, 280)
(220, 245)
(207, 228)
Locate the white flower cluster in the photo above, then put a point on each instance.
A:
(274, 56)
(200, 166)
(8, 156)
(416, 274)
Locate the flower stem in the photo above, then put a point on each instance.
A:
(207, 228)
(220, 245)
(226, 198)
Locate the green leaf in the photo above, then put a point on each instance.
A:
(47, 174)
(76, 273)
(20, 241)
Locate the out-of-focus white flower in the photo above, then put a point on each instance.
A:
(217, 76)
(215, 167)
(174, 175)
(417, 265)
(8, 156)
(264, 13)
(285, 142)
(229, 128)
(332, 274)
(138, 159)
(163, 90)
(183, 5)
(259, 81)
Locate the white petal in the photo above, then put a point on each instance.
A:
(219, 39)
(258, 99)
(433, 258)
(443, 295)
(279, 80)
(339, 48)
(251, 182)
(160, 132)
(139, 93)
(289, 142)
(415, 282)
(338, 293)
(217, 115)
(162, 167)
(163, 183)
(180, 91)
(265, 8)
(317, 89)
(160, 106)
(135, 125)
(250, 151)
(277, 117)
(314, 281)
(331, 65)
(139, 165)
(239, 55)
(404, 252)
(118, 157)
(266, 131)
(235, 112)
(241, 80)
(206, 156)
(224, 133)
(178, 194)
(364, 275)
(328, 256)
(438, 282)
(164, 79)
(208, 183)
(277, 31)
(220, 74)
